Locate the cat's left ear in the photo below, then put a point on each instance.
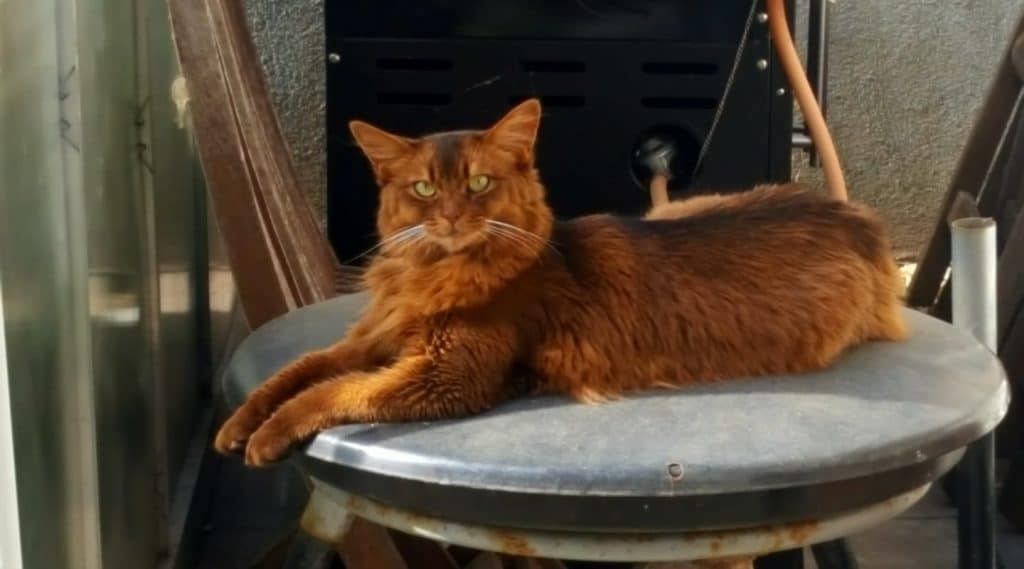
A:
(379, 146)
(517, 130)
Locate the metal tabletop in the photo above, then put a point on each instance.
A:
(885, 419)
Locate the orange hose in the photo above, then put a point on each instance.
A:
(659, 190)
(815, 121)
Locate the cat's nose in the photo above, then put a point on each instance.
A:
(450, 214)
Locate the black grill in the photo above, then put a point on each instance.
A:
(609, 74)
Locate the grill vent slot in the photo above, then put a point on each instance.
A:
(414, 64)
(554, 66)
(416, 99)
(678, 102)
(552, 100)
(679, 68)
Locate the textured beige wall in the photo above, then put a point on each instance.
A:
(289, 35)
(907, 79)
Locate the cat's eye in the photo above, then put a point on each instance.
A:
(424, 189)
(479, 183)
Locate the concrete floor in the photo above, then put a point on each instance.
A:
(925, 537)
(246, 519)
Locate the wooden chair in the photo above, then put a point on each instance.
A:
(280, 258)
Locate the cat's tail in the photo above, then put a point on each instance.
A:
(866, 232)
(886, 322)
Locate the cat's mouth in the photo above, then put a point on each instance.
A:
(456, 241)
(454, 238)
(457, 236)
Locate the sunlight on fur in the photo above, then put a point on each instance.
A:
(479, 295)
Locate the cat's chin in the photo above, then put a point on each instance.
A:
(457, 243)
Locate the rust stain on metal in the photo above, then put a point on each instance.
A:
(313, 522)
(789, 535)
(511, 543)
(799, 533)
(716, 546)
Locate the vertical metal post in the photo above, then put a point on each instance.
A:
(974, 309)
(10, 533)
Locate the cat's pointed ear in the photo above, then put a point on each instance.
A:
(517, 130)
(379, 146)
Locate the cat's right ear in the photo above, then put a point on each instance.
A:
(380, 147)
(517, 130)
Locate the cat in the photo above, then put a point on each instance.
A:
(478, 295)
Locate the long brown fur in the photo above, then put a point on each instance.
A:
(465, 313)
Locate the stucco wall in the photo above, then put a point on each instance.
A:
(289, 35)
(907, 79)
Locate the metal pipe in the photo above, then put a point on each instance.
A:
(974, 309)
(974, 277)
(657, 154)
(801, 140)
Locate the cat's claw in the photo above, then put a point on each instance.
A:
(266, 447)
(234, 434)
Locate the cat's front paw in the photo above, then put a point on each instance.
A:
(267, 445)
(235, 432)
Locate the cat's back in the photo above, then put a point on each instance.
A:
(766, 225)
(769, 219)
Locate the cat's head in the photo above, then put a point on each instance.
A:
(459, 191)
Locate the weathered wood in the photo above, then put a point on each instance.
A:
(368, 546)
(279, 257)
(302, 249)
(421, 553)
(261, 284)
(486, 560)
(1010, 433)
(533, 563)
(974, 163)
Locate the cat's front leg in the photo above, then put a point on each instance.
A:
(362, 348)
(458, 373)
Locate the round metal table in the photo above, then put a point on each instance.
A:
(739, 467)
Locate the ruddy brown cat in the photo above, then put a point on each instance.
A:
(478, 295)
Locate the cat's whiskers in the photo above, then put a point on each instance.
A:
(511, 237)
(528, 247)
(525, 248)
(402, 237)
(523, 234)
